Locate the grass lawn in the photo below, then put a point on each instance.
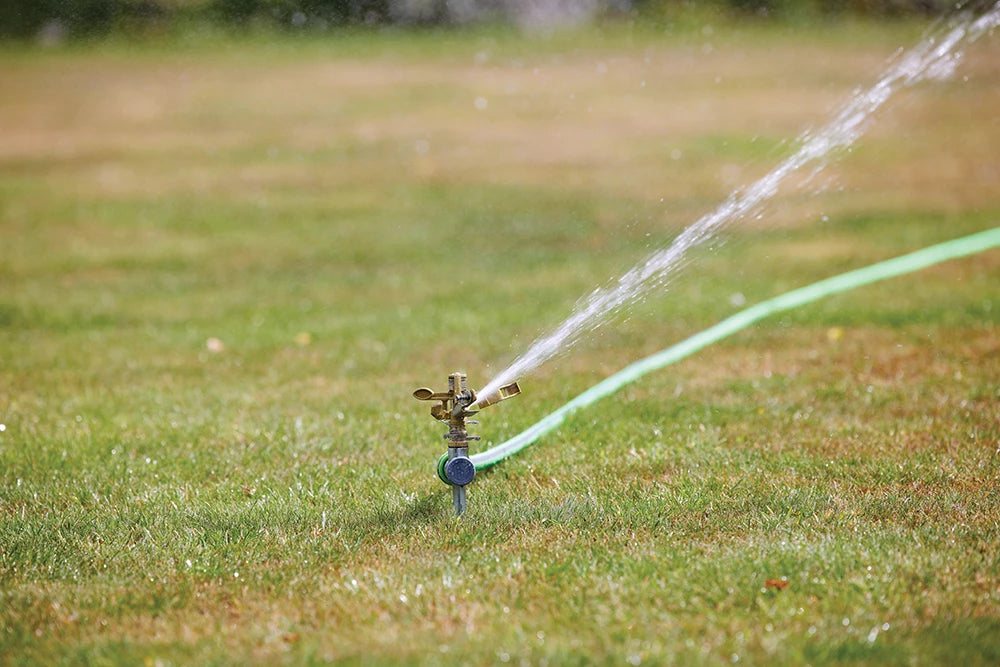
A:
(226, 265)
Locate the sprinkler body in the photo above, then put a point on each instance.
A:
(456, 468)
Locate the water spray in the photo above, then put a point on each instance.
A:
(457, 404)
(934, 57)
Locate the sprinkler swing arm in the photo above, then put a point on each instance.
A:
(456, 468)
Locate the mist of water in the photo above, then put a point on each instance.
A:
(935, 57)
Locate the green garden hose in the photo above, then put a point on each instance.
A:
(898, 266)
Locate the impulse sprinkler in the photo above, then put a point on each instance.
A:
(455, 467)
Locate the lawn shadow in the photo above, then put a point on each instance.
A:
(390, 520)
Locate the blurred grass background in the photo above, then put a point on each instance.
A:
(53, 20)
(230, 257)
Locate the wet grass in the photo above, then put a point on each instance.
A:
(227, 266)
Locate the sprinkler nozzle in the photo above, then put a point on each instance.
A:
(501, 394)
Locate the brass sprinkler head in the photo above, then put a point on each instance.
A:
(455, 467)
